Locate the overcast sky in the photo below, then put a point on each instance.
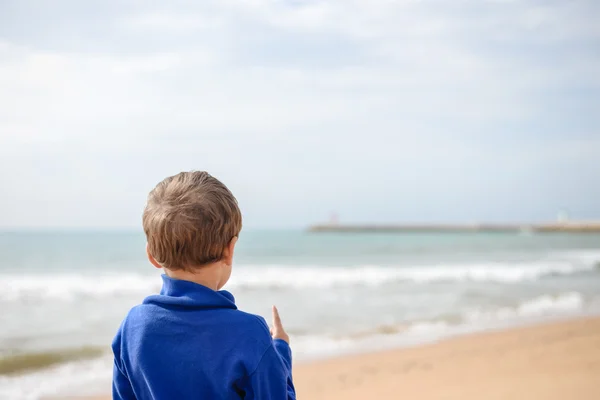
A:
(381, 110)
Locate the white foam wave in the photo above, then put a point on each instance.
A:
(324, 277)
(568, 303)
(537, 307)
(68, 286)
(81, 378)
(587, 256)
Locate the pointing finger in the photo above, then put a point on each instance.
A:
(276, 320)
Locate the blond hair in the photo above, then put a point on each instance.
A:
(189, 220)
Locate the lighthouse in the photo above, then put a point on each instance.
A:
(334, 219)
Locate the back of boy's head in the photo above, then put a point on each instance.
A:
(189, 220)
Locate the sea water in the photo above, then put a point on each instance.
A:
(63, 294)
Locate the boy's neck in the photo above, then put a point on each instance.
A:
(208, 275)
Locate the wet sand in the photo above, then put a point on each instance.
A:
(559, 360)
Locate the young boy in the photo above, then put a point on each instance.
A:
(190, 341)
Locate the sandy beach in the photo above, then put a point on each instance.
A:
(550, 361)
(559, 360)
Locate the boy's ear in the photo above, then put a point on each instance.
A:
(152, 259)
(228, 254)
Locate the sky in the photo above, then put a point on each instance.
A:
(379, 110)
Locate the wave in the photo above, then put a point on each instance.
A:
(76, 379)
(325, 277)
(568, 303)
(536, 307)
(67, 286)
(27, 362)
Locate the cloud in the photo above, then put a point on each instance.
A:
(300, 105)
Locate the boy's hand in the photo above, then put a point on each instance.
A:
(277, 330)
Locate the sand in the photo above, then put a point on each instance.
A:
(551, 361)
(559, 360)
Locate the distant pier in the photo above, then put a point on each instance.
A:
(555, 227)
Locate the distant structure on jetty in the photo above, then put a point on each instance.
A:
(562, 225)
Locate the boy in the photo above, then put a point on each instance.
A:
(190, 341)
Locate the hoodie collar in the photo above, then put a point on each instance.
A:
(190, 294)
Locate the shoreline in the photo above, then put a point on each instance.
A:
(547, 360)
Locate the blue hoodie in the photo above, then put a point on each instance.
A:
(190, 342)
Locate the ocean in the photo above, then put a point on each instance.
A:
(63, 294)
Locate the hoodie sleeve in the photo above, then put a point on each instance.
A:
(284, 351)
(272, 379)
(121, 386)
